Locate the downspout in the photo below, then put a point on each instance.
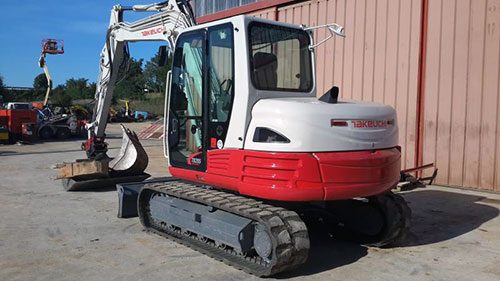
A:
(421, 83)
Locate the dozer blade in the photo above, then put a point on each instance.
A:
(109, 183)
(132, 158)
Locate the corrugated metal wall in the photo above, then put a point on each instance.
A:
(206, 7)
(270, 14)
(461, 94)
(377, 61)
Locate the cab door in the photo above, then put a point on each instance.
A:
(187, 112)
(201, 95)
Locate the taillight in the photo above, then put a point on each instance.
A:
(338, 123)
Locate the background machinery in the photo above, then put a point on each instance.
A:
(254, 154)
(126, 114)
(16, 121)
(51, 47)
(60, 125)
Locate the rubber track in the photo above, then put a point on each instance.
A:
(396, 225)
(289, 233)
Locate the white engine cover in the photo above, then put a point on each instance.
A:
(313, 126)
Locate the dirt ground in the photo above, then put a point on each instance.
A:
(49, 234)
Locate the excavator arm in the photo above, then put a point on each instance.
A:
(169, 18)
(165, 22)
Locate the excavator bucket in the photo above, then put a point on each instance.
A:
(132, 159)
(127, 166)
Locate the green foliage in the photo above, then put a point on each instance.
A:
(153, 103)
(60, 96)
(92, 88)
(80, 88)
(131, 85)
(2, 85)
(134, 80)
(37, 94)
(2, 90)
(156, 75)
(22, 95)
(39, 86)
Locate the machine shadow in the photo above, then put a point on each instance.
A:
(439, 215)
(436, 216)
(326, 253)
(70, 139)
(97, 190)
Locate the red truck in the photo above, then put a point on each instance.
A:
(13, 120)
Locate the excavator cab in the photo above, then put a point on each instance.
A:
(203, 81)
(201, 94)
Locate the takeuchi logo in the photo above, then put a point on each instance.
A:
(371, 123)
(153, 31)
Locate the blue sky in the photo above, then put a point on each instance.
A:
(81, 24)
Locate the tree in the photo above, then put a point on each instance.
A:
(2, 91)
(131, 85)
(39, 86)
(14, 95)
(79, 88)
(2, 85)
(60, 96)
(156, 75)
(91, 89)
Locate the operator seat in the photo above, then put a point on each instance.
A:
(264, 70)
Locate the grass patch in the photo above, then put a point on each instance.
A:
(153, 103)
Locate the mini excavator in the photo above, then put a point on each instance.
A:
(253, 153)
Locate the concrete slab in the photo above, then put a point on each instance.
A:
(49, 234)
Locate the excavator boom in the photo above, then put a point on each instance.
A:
(167, 20)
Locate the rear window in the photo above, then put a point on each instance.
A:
(280, 59)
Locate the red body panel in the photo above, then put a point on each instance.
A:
(299, 176)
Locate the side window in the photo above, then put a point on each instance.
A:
(220, 52)
(186, 102)
(220, 83)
